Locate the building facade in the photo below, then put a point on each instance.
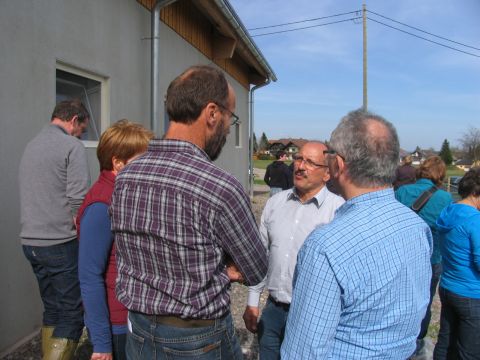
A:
(101, 51)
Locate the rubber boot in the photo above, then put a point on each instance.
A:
(60, 349)
(47, 332)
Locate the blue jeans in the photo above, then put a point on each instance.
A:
(459, 336)
(149, 340)
(271, 330)
(56, 269)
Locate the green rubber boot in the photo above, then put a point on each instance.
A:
(60, 349)
(47, 332)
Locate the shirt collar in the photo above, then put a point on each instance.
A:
(317, 199)
(373, 196)
(176, 146)
(61, 128)
(425, 181)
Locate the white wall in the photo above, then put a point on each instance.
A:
(102, 37)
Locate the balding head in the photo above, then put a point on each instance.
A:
(369, 146)
(310, 170)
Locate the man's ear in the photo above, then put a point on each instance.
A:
(74, 119)
(209, 112)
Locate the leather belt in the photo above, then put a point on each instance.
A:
(176, 321)
(284, 306)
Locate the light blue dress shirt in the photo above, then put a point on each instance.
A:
(362, 283)
(286, 222)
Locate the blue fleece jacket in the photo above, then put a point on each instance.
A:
(459, 229)
(408, 194)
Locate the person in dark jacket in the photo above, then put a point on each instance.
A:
(405, 174)
(278, 175)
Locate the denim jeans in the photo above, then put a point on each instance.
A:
(56, 269)
(275, 190)
(459, 336)
(271, 331)
(436, 273)
(149, 340)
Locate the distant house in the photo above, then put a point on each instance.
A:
(290, 146)
(417, 157)
(465, 165)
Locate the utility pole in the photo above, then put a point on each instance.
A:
(365, 91)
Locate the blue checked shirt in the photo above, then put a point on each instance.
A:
(362, 283)
(177, 218)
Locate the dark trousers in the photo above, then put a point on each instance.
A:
(119, 341)
(436, 273)
(459, 336)
(271, 330)
(56, 269)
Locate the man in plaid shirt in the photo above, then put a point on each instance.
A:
(184, 229)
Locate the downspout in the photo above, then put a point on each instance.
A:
(155, 64)
(250, 124)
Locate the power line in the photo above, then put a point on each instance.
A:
(423, 38)
(418, 29)
(302, 21)
(306, 27)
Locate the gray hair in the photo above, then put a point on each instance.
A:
(371, 156)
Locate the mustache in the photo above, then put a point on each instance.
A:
(300, 172)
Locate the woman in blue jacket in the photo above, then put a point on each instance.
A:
(459, 226)
(430, 174)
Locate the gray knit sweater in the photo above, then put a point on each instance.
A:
(53, 179)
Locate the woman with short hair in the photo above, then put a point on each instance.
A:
(459, 225)
(430, 177)
(105, 316)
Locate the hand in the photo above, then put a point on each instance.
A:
(101, 356)
(233, 273)
(250, 318)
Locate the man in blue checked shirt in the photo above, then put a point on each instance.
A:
(361, 284)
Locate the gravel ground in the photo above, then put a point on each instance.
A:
(31, 350)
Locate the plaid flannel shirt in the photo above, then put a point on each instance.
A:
(177, 218)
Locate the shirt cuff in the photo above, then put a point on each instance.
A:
(253, 297)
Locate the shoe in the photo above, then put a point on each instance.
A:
(60, 349)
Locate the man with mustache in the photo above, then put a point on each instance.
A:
(184, 229)
(287, 219)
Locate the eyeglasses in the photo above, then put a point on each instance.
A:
(308, 163)
(234, 119)
(332, 152)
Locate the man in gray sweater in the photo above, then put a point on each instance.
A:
(53, 180)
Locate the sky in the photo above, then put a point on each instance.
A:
(430, 93)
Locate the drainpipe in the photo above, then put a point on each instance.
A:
(250, 123)
(155, 64)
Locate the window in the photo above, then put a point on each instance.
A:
(237, 135)
(92, 90)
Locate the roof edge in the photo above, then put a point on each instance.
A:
(233, 18)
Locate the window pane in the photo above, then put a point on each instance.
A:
(69, 86)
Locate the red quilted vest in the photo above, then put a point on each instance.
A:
(102, 191)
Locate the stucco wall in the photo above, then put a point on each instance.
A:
(102, 37)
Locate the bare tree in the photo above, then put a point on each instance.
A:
(470, 141)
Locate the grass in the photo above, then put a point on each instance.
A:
(259, 182)
(452, 170)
